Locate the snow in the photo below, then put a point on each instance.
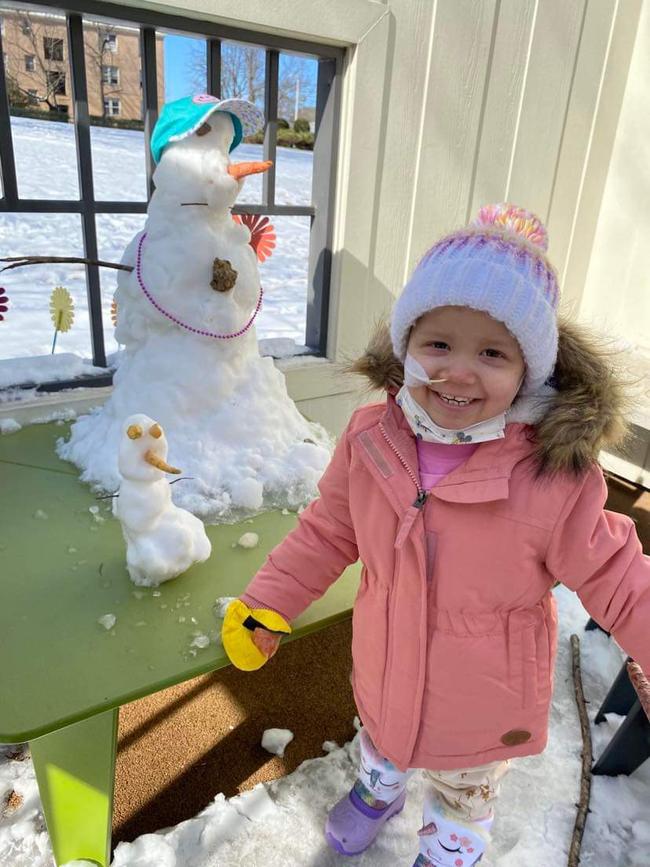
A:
(280, 824)
(119, 173)
(9, 426)
(221, 604)
(275, 741)
(108, 621)
(33, 369)
(248, 540)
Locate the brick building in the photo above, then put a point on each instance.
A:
(38, 72)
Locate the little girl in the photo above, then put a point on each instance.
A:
(466, 496)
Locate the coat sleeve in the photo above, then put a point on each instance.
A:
(597, 553)
(314, 554)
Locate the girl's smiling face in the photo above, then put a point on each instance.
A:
(476, 355)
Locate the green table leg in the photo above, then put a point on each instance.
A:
(75, 769)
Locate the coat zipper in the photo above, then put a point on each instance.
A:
(421, 498)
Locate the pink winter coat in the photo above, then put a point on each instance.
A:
(454, 624)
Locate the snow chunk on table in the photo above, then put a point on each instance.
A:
(221, 603)
(248, 540)
(107, 621)
(9, 426)
(276, 740)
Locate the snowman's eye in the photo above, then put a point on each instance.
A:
(204, 129)
(156, 431)
(134, 431)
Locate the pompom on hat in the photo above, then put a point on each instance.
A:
(497, 264)
(182, 118)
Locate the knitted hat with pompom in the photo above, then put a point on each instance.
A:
(498, 265)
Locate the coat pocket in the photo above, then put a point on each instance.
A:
(483, 687)
(529, 655)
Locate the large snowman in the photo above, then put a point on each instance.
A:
(186, 319)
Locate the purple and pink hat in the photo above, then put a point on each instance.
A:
(497, 264)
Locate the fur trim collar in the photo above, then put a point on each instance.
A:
(572, 421)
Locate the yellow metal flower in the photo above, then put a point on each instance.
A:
(61, 308)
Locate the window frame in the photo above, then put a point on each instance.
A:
(107, 79)
(320, 211)
(30, 62)
(108, 108)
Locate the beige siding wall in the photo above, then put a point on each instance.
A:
(617, 288)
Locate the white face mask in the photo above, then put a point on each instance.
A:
(424, 427)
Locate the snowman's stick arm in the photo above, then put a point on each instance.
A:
(19, 261)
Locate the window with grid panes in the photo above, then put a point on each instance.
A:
(110, 75)
(107, 208)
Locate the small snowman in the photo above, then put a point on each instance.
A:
(162, 540)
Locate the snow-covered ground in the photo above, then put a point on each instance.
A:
(46, 168)
(280, 824)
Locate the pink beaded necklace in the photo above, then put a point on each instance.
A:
(202, 331)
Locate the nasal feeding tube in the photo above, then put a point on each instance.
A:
(415, 374)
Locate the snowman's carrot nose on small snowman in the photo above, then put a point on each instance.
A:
(156, 461)
(241, 170)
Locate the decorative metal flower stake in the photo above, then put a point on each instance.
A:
(62, 311)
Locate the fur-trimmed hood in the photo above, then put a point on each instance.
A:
(583, 413)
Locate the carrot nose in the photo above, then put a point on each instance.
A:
(241, 170)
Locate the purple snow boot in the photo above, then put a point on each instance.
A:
(352, 825)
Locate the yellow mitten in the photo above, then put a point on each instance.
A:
(237, 633)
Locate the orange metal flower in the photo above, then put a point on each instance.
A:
(262, 234)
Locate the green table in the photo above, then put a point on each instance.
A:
(63, 675)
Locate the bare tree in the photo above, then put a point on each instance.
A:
(42, 78)
(242, 77)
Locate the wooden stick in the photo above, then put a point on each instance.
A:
(19, 261)
(587, 757)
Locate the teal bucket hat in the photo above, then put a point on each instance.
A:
(182, 117)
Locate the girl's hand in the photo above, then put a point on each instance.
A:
(265, 641)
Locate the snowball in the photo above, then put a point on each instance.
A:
(248, 540)
(275, 740)
(107, 621)
(40, 514)
(94, 510)
(200, 641)
(329, 746)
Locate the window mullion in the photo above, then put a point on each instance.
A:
(7, 161)
(86, 188)
(320, 240)
(213, 49)
(149, 96)
(271, 128)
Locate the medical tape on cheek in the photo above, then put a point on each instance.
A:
(415, 374)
